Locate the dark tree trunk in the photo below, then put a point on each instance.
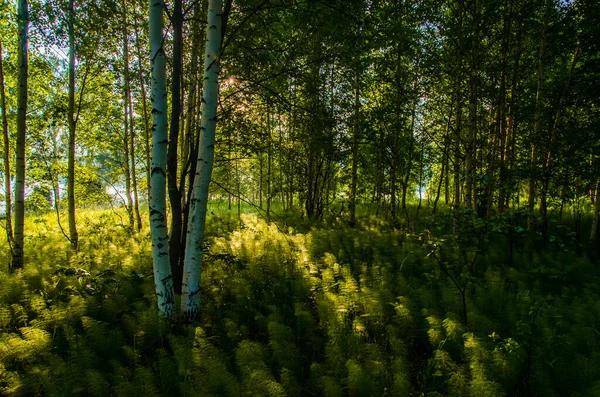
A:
(73, 235)
(355, 137)
(6, 157)
(175, 244)
(23, 20)
(538, 121)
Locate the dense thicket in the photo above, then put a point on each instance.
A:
(454, 145)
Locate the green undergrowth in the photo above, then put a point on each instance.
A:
(311, 310)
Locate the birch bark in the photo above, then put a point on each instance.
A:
(190, 299)
(163, 280)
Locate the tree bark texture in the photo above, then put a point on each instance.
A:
(190, 300)
(18, 249)
(163, 279)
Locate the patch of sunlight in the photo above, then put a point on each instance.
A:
(127, 262)
(470, 341)
(34, 341)
(359, 328)
(402, 311)
(453, 328)
(302, 242)
(435, 331)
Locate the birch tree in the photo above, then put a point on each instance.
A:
(163, 280)
(190, 300)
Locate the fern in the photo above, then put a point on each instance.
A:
(97, 385)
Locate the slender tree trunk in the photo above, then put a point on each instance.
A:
(142, 86)
(126, 162)
(54, 181)
(190, 300)
(190, 144)
(497, 163)
(594, 189)
(280, 160)
(510, 128)
(229, 173)
(381, 182)
(596, 192)
(136, 201)
(73, 235)
(395, 144)
(269, 160)
(504, 127)
(538, 121)
(447, 175)
(355, 137)
(23, 20)
(6, 158)
(501, 123)
(393, 169)
(488, 202)
(552, 144)
(444, 171)
(405, 183)
(459, 111)
(420, 180)
(132, 140)
(290, 156)
(175, 247)
(129, 102)
(596, 222)
(456, 181)
(163, 280)
(439, 189)
(260, 178)
(239, 190)
(128, 138)
(473, 96)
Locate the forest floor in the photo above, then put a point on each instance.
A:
(295, 308)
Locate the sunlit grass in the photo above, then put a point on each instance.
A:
(293, 310)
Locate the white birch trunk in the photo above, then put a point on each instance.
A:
(163, 280)
(190, 299)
